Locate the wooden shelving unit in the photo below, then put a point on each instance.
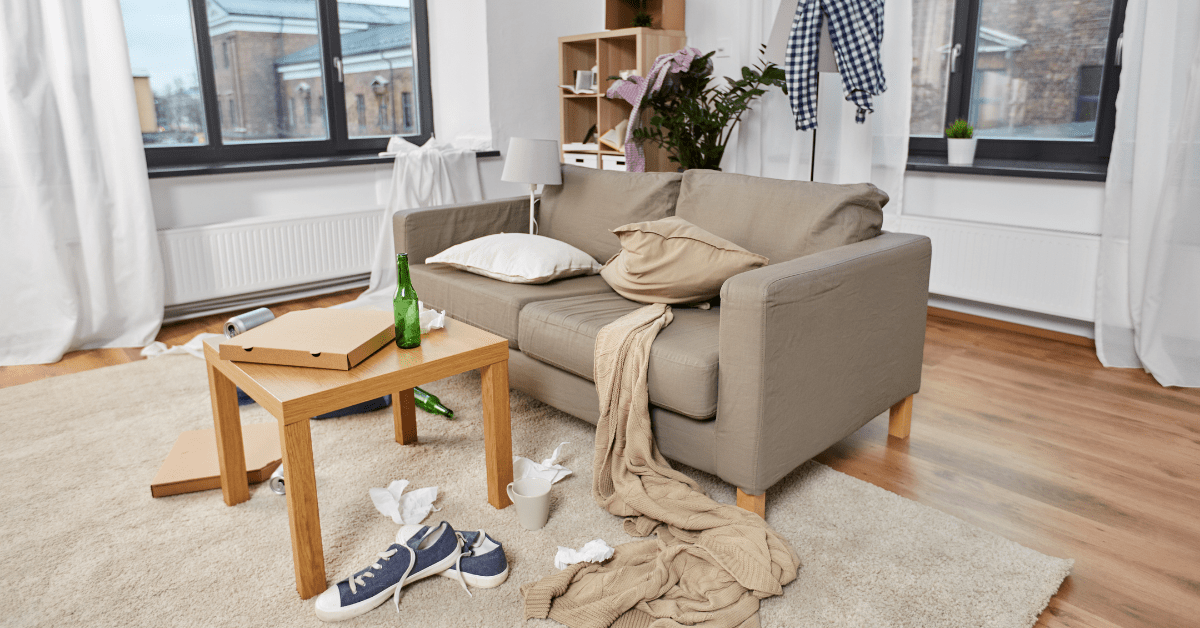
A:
(613, 51)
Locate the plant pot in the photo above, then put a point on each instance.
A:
(960, 152)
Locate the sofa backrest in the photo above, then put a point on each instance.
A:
(590, 203)
(779, 219)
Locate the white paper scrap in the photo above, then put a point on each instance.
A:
(547, 469)
(404, 509)
(195, 347)
(431, 319)
(592, 552)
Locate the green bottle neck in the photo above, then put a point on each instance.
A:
(404, 280)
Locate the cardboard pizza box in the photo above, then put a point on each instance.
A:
(323, 338)
(192, 464)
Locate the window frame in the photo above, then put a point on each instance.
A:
(338, 143)
(1094, 152)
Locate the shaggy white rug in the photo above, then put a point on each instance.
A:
(84, 544)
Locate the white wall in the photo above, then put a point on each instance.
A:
(1050, 204)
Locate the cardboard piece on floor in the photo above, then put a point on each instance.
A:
(322, 338)
(192, 464)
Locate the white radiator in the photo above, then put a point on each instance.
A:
(216, 261)
(1050, 272)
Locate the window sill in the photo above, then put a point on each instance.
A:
(189, 170)
(1011, 168)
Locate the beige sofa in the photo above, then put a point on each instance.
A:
(797, 355)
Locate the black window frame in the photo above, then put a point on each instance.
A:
(338, 143)
(1094, 152)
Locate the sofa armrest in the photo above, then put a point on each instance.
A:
(427, 231)
(814, 348)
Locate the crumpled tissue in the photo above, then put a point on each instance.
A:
(548, 468)
(404, 509)
(592, 552)
(431, 319)
(195, 347)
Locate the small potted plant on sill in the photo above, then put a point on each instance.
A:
(960, 144)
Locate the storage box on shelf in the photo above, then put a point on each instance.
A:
(610, 52)
(613, 162)
(580, 159)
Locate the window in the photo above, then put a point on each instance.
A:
(1037, 80)
(223, 77)
(406, 102)
(383, 122)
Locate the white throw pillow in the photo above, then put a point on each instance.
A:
(518, 258)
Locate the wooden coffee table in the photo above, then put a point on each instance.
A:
(296, 394)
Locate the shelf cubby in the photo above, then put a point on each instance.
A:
(611, 52)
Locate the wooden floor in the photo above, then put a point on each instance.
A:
(1027, 437)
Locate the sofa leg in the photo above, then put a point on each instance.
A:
(756, 504)
(900, 418)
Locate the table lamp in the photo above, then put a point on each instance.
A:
(533, 162)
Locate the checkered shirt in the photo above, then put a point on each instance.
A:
(856, 31)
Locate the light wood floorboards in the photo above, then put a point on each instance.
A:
(1027, 437)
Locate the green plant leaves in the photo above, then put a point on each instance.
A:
(693, 118)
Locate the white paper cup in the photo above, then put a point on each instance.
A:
(531, 497)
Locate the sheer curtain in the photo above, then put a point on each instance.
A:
(79, 260)
(767, 143)
(1148, 279)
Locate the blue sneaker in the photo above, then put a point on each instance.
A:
(412, 557)
(482, 563)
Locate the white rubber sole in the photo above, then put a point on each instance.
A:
(358, 608)
(479, 582)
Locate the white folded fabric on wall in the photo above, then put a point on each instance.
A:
(79, 260)
(438, 173)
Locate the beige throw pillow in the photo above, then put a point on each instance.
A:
(518, 258)
(673, 261)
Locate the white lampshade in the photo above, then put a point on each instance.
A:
(532, 161)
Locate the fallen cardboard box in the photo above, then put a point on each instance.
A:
(192, 465)
(323, 338)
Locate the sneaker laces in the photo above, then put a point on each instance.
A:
(470, 551)
(412, 561)
(357, 581)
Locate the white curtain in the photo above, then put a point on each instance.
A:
(1148, 279)
(79, 260)
(767, 144)
(437, 173)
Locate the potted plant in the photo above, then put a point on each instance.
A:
(640, 17)
(694, 120)
(960, 144)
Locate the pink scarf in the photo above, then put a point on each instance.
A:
(634, 89)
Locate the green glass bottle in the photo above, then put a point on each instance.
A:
(431, 404)
(406, 307)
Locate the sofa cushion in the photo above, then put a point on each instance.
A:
(781, 220)
(489, 304)
(518, 258)
(673, 261)
(590, 203)
(683, 359)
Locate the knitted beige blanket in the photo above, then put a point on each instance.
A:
(710, 564)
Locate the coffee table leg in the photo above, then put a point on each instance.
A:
(404, 413)
(227, 422)
(304, 520)
(497, 432)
